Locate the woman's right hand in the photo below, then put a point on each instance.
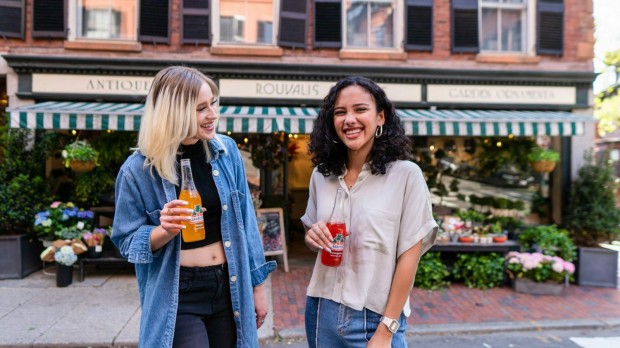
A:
(170, 217)
(318, 237)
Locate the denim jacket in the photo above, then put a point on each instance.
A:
(140, 195)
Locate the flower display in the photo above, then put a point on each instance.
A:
(65, 256)
(538, 267)
(96, 237)
(62, 220)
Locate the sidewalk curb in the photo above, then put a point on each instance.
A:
(481, 328)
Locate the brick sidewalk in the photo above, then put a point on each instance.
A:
(455, 305)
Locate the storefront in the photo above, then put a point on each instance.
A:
(260, 98)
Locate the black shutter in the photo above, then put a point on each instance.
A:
(293, 25)
(465, 26)
(48, 17)
(12, 18)
(196, 22)
(154, 21)
(419, 25)
(550, 18)
(327, 23)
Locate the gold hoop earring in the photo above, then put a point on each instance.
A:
(379, 131)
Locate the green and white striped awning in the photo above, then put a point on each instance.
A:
(263, 119)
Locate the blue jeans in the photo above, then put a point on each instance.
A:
(205, 315)
(330, 324)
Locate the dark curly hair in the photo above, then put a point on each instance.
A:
(329, 154)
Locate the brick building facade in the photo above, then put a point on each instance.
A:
(454, 68)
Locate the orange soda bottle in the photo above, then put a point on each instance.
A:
(194, 228)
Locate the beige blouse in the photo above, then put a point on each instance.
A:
(386, 215)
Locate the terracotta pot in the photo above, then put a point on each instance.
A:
(543, 166)
(466, 239)
(82, 166)
(500, 239)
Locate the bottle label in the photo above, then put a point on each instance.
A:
(197, 216)
(338, 244)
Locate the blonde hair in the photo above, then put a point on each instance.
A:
(170, 117)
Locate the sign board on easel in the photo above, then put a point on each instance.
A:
(271, 227)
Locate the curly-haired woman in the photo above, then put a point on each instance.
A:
(358, 144)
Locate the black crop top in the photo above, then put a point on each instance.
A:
(203, 179)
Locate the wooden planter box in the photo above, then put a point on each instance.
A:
(597, 267)
(19, 255)
(529, 286)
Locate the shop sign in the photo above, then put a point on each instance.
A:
(91, 84)
(305, 90)
(490, 94)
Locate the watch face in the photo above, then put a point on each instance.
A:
(393, 327)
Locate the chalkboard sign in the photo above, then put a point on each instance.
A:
(271, 227)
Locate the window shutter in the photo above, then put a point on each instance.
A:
(48, 17)
(550, 18)
(419, 25)
(12, 18)
(327, 23)
(154, 21)
(293, 25)
(465, 26)
(196, 22)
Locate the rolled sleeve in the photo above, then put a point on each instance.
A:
(259, 274)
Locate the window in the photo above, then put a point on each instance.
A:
(106, 19)
(370, 23)
(248, 22)
(503, 25)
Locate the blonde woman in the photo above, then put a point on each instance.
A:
(193, 294)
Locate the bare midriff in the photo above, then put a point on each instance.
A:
(208, 255)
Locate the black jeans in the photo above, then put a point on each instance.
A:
(205, 315)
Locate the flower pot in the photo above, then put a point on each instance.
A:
(64, 275)
(500, 239)
(543, 166)
(95, 251)
(19, 255)
(466, 239)
(528, 286)
(82, 166)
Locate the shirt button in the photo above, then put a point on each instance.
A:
(227, 244)
(216, 172)
(237, 314)
(224, 207)
(233, 278)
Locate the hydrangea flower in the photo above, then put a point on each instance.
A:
(538, 267)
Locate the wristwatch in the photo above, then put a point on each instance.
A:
(392, 324)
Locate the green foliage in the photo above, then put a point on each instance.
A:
(512, 152)
(91, 186)
(471, 215)
(79, 150)
(607, 111)
(480, 271)
(550, 240)
(114, 148)
(592, 215)
(432, 272)
(507, 222)
(540, 154)
(23, 189)
(454, 185)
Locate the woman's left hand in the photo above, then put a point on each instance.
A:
(260, 305)
(380, 339)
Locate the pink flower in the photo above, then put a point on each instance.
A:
(557, 267)
(55, 204)
(569, 267)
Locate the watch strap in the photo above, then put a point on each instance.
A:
(392, 324)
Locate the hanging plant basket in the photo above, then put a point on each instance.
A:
(82, 166)
(543, 166)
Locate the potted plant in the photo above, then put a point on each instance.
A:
(80, 156)
(548, 240)
(543, 160)
(23, 191)
(536, 273)
(94, 240)
(62, 221)
(592, 218)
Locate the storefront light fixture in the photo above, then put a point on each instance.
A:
(510, 136)
(486, 141)
(229, 132)
(245, 140)
(499, 144)
(73, 132)
(432, 147)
